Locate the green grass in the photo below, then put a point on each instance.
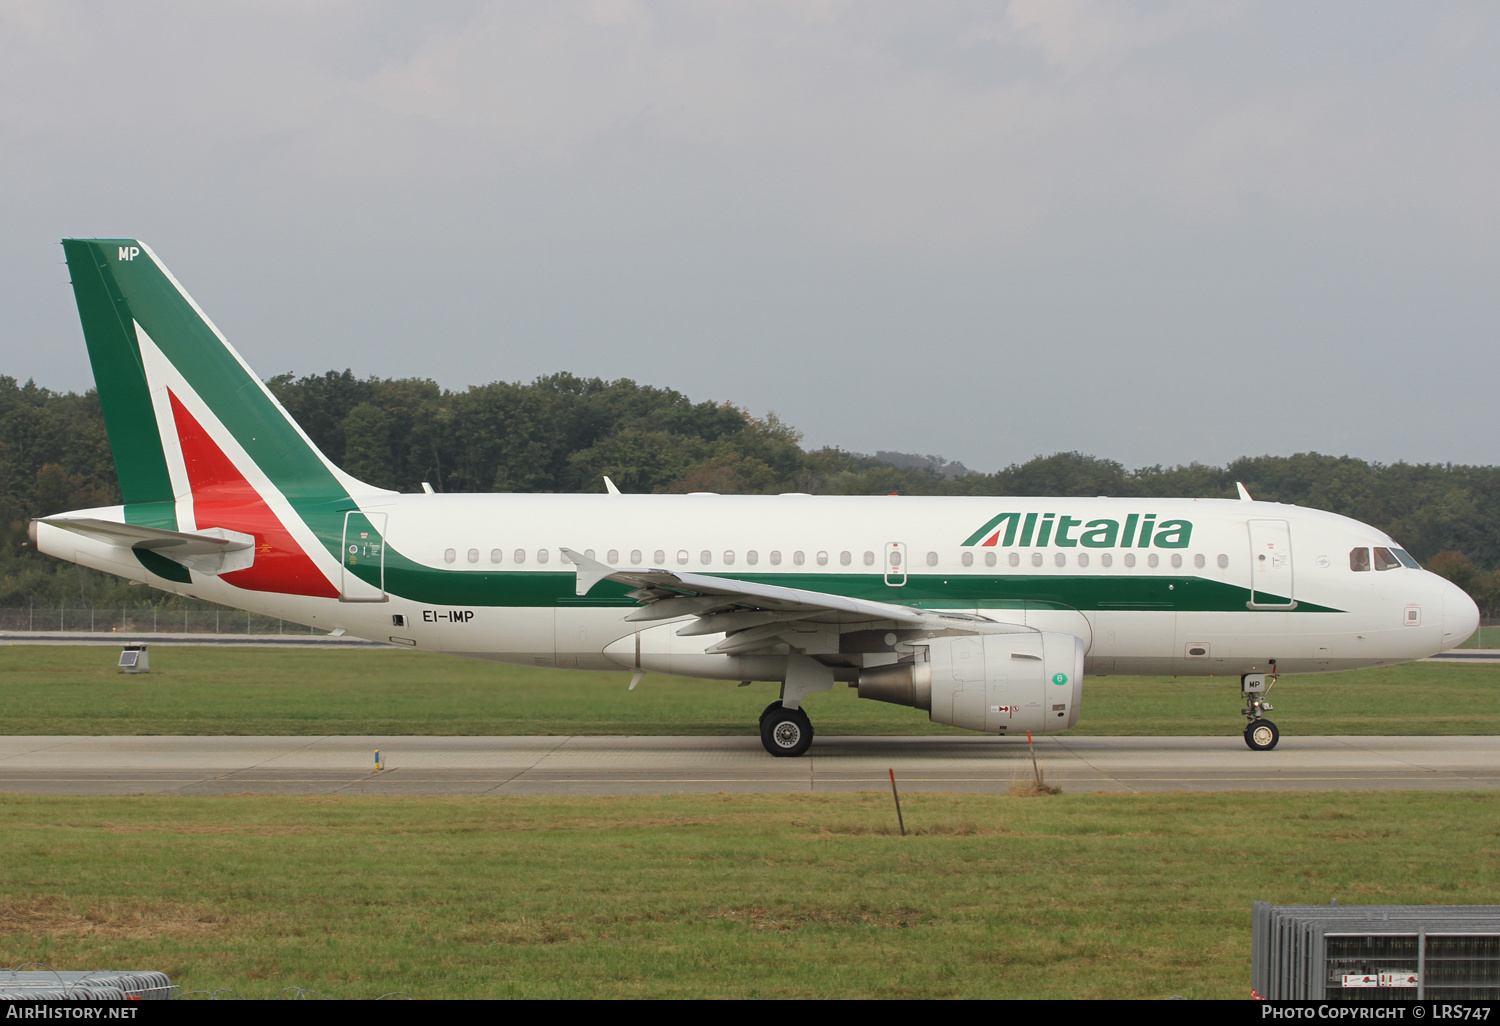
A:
(713, 896)
(206, 690)
(1484, 637)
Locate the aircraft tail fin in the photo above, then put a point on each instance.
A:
(164, 373)
(198, 440)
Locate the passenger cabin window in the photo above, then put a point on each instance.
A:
(1015, 559)
(932, 559)
(1223, 561)
(822, 559)
(1105, 559)
(635, 557)
(1153, 560)
(728, 558)
(798, 558)
(1036, 559)
(1083, 559)
(1385, 560)
(1359, 559)
(968, 559)
(775, 557)
(845, 558)
(990, 559)
(1060, 559)
(869, 559)
(612, 556)
(682, 557)
(496, 556)
(520, 555)
(661, 556)
(705, 557)
(1130, 559)
(1199, 561)
(1176, 560)
(449, 555)
(541, 555)
(752, 557)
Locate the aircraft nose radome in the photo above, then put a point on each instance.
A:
(1460, 617)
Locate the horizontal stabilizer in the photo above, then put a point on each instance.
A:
(212, 552)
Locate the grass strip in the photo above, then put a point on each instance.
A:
(1073, 896)
(208, 690)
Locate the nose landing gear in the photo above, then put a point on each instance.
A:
(1261, 734)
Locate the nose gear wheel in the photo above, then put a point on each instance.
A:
(1262, 735)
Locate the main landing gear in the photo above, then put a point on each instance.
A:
(1261, 734)
(785, 729)
(785, 732)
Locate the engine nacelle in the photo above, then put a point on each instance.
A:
(999, 683)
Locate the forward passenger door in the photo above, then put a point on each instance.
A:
(1271, 585)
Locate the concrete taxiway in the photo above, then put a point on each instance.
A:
(667, 765)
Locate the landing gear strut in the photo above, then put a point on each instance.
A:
(785, 729)
(785, 732)
(1261, 734)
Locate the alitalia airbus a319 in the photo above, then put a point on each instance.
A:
(983, 612)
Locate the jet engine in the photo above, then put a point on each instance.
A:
(999, 683)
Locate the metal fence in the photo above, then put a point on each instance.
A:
(88, 619)
(37, 982)
(1375, 952)
(1487, 636)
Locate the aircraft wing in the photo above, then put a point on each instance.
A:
(669, 593)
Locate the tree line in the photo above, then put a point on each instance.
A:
(564, 433)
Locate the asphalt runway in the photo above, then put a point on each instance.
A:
(673, 765)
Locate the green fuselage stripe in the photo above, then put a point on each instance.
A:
(417, 583)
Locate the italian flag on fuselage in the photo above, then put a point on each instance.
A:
(198, 440)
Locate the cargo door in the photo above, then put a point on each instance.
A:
(1271, 565)
(363, 557)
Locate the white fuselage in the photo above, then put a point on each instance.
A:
(1197, 608)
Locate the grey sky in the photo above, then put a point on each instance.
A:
(1157, 232)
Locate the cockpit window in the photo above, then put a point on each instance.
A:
(1385, 561)
(1359, 559)
(1406, 559)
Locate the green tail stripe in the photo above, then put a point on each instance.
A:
(120, 378)
(161, 566)
(136, 287)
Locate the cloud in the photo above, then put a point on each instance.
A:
(670, 188)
